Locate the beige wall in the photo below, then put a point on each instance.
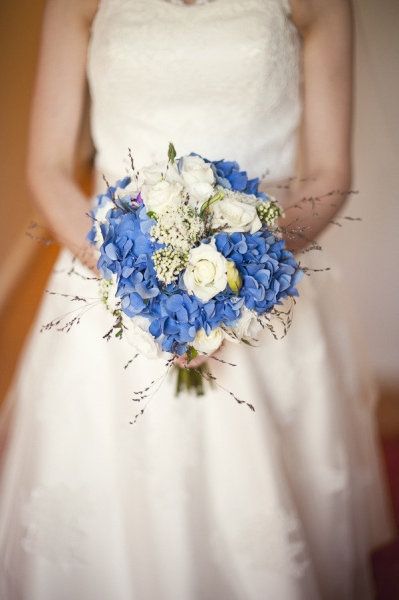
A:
(368, 252)
(19, 33)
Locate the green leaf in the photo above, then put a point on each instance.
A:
(191, 353)
(171, 153)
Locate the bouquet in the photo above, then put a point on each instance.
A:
(190, 257)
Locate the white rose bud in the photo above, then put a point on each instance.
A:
(198, 178)
(206, 272)
(234, 213)
(138, 336)
(152, 174)
(208, 343)
(161, 195)
(157, 172)
(248, 326)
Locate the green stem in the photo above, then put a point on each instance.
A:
(190, 380)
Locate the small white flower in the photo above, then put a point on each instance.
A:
(208, 343)
(178, 226)
(138, 336)
(108, 294)
(168, 263)
(161, 195)
(206, 272)
(248, 326)
(235, 212)
(198, 178)
(269, 211)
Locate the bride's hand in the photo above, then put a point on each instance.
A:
(55, 125)
(194, 363)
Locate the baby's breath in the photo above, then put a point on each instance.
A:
(107, 295)
(168, 263)
(178, 226)
(269, 211)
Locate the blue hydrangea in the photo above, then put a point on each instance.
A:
(228, 175)
(175, 320)
(269, 271)
(122, 201)
(127, 253)
(176, 316)
(120, 184)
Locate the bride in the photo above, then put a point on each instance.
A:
(200, 498)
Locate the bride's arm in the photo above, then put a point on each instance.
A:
(325, 140)
(55, 122)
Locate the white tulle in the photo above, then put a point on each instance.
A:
(201, 498)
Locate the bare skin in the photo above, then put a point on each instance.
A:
(325, 150)
(325, 141)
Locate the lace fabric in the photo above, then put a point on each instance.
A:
(229, 67)
(183, 3)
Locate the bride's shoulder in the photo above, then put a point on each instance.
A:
(77, 9)
(305, 13)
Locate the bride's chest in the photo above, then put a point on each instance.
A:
(163, 40)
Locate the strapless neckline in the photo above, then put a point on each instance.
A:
(221, 78)
(187, 4)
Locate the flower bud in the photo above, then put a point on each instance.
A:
(233, 277)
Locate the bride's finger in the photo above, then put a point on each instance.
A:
(181, 361)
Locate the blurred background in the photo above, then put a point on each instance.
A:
(367, 252)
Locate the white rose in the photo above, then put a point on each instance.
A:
(156, 172)
(248, 325)
(161, 195)
(208, 343)
(138, 336)
(234, 213)
(206, 272)
(198, 178)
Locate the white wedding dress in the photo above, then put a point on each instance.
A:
(200, 499)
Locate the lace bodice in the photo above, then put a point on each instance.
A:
(220, 78)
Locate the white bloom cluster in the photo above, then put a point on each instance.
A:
(167, 184)
(208, 343)
(179, 226)
(168, 263)
(198, 178)
(249, 326)
(235, 212)
(138, 336)
(269, 211)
